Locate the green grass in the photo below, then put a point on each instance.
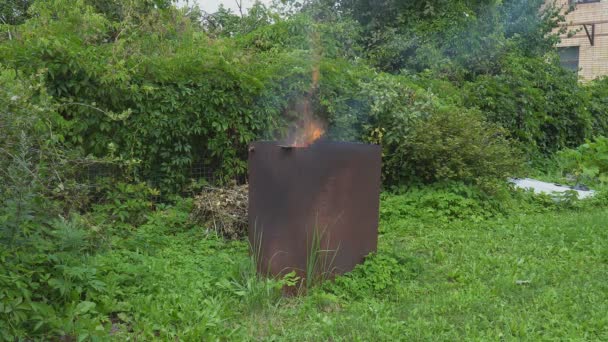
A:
(522, 277)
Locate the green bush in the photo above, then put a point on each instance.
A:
(459, 38)
(541, 104)
(426, 138)
(166, 102)
(35, 166)
(395, 106)
(598, 105)
(165, 96)
(45, 286)
(154, 89)
(460, 146)
(376, 277)
(588, 163)
(124, 204)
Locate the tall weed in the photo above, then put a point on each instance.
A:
(588, 163)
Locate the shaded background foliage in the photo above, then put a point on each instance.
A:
(168, 88)
(540, 103)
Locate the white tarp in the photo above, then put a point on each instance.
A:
(549, 188)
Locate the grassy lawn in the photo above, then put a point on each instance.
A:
(532, 277)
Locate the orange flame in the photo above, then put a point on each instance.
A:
(309, 129)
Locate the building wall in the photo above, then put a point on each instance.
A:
(593, 60)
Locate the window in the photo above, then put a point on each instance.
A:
(568, 57)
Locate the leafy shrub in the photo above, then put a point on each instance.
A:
(598, 105)
(425, 138)
(125, 202)
(167, 104)
(33, 158)
(376, 277)
(336, 38)
(588, 163)
(396, 105)
(459, 146)
(537, 101)
(441, 202)
(154, 89)
(45, 287)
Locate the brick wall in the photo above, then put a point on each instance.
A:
(593, 60)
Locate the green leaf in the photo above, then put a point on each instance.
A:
(84, 307)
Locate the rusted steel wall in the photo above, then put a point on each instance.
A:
(332, 187)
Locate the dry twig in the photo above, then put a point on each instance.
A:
(223, 209)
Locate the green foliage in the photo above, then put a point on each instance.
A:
(31, 153)
(449, 202)
(35, 167)
(331, 38)
(396, 105)
(538, 102)
(47, 288)
(459, 38)
(425, 274)
(588, 163)
(319, 260)
(376, 277)
(598, 105)
(125, 205)
(154, 89)
(173, 218)
(164, 286)
(257, 293)
(168, 279)
(45, 284)
(163, 94)
(186, 101)
(153, 85)
(225, 23)
(425, 138)
(459, 146)
(13, 12)
(443, 203)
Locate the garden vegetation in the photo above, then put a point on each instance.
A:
(461, 95)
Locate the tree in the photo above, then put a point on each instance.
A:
(14, 12)
(464, 36)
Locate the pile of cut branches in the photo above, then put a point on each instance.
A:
(223, 209)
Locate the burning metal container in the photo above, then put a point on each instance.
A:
(327, 192)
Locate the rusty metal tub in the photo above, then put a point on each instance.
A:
(330, 189)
